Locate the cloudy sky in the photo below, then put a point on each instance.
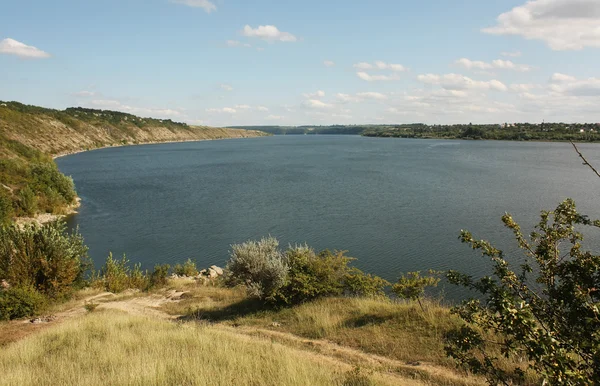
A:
(254, 62)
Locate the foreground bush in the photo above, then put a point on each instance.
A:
(18, 303)
(118, 275)
(298, 274)
(6, 208)
(260, 266)
(549, 322)
(46, 258)
(186, 269)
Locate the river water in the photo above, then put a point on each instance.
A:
(395, 204)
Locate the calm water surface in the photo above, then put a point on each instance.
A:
(396, 205)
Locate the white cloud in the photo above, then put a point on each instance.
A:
(84, 93)
(346, 98)
(204, 4)
(523, 87)
(262, 108)
(316, 104)
(274, 117)
(243, 107)
(112, 104)
(12, 47)
(558, 77)
(315, 95)
(379, 65)
(375, 78)
(237, 43)
(226, 87)
(571, 86)
(269, 33)
(561, 24)
(496, 64)
(461, 82)
(372, 95)
(328, 63)
(512, 54)
(225, 110)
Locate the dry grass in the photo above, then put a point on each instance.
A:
(111, 348)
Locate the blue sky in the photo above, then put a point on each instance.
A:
(234, 62)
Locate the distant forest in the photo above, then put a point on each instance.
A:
(586, 132)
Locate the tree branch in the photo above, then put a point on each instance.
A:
(585, 161)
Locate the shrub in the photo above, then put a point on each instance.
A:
(550, 323)
(139, 279)
(90, 306)
(159, 277)
(356, 377)
(313, 275)
(27, 201)
(46, 258)
(47, 176)
(187, 269)
(20, 302)
(357, 283)
(6, 208)
(260, 266)
(115, 274)
(412, 285)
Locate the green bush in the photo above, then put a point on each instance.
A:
(27, 201)
(543, 313)
(115, 274)
(260, 266)
(159, 277)
(47, 176)
(20, 302)
(6, 208)
(187, 269)
(298, 275)
(46, 258)
(357, 283)
(139, 279)
(311, 275)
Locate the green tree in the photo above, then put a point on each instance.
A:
(544, 314)
(412, 285)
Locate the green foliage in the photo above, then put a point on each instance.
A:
(6, 208)
(117, 276)
(46, 258)
(187, 269)
(27, 201)
(260, 266)
(298, 274)
(311, 275)
(90, 306)
(20, 302)
(412, 285)
(357, 283)
(546, 315)
(158, 278)
(46, 177)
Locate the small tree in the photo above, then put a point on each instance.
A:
(412, 285)
(546, 314)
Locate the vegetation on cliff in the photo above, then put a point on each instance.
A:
(30, 182)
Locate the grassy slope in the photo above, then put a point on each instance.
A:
(57, 132)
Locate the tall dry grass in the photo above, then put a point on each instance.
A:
(111, 348)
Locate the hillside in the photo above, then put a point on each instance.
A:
(57, 132)
(30, 183)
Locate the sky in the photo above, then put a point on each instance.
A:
(309, 62)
